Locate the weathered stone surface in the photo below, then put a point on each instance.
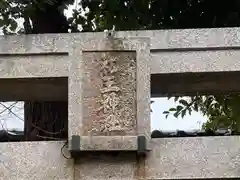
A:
(169, 48)
(106, 97)
(186, 50)
(195, 61)
(191, 50)
(34, 161)
(109, 93)
(107, 167)
(29, 66)
(194, 158)
(160, 39)
(111, 143)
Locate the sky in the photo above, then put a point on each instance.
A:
(9, 120)
(158, 120)
(14, 119)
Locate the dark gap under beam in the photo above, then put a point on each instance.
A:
(34, 89)
(187, 84)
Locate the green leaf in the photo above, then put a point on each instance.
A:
(195, 107)
(183, 102)
(165, 112)
(176, 98)
(189, 111)
(176, 114)
(172, 109)
(179, 108)
(3, 5)
(2, 22)
(169, 97)
(13, 25)
(183, 113)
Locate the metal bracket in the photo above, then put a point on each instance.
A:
(75, 146)
(140, 147)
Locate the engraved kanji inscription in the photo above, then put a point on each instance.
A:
(109, 93)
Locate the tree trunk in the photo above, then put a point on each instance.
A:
(47, 19)
(46, 120)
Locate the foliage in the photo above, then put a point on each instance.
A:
(222, 110)
(124, 14)
(164, 14)
(34, 13)
(47, 16)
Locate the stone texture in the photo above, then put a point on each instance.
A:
(60, 55)
(35, 44)
(27, 65)
(143, 92)
(173, 39)
(86, 85)
(194, 157)
(111, 143)
(107, 167)
(215, 42)
(190, 50)
(195, 61)
(109, 93)
(34, 161)
(160, 39)
(75, 99)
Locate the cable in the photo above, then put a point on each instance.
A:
(65, 144)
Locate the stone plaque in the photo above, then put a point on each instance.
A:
(109, 93)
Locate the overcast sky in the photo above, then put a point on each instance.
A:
(158, 121)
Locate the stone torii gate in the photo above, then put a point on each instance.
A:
(110, 81)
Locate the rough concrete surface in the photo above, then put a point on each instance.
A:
(34, 161)
(195, 61)
(109, 93)
(160, 39)
(172, 51)
(107, 167)
(111, 143)
(194, 157)
(26, 66)
(127, 101)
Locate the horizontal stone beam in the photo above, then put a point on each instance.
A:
(34, 65)
(170, 158)
(194, 158)
(35, 160)
(173, 52)
(160, 39)
(180, 39)
(195, 61)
